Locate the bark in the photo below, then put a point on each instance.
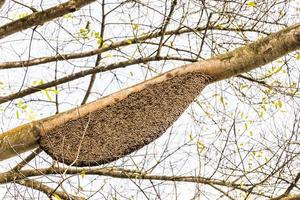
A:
(259, 53)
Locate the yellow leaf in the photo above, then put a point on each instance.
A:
(298, 56)
(251, 4)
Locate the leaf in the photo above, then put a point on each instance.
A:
(220, 26)
(31, 115)
(99, 41)
(135, 26)
(68, 16)
(48, 95)
(251, 133)
(54, 91)
(251, 4)
(97, 35)
(191, 136)
(246, 126)
(20, 102)
(223, 101)
(17, 114)
(82, 174)
(56, 197)
(83, 33)
(259, 154)
(279, 103)
(22, 15)
(24, 107)
(277, 70)
(200, 146)
(298, 56)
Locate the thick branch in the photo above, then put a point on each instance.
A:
(217, 68)
(39, 18)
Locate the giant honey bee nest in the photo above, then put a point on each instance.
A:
(123, 127)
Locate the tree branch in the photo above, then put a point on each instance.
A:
(115, 45)
(84, 73)
(39, 18)
(50, 192)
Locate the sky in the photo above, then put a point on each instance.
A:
(210, 128)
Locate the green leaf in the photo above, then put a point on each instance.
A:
(31, 115)
(68, 16)
(200, 146)
(48, 95)
(54, 91)
(17, 114)
(191, 136)
(24, 107)
(279, 103)
(251, 3)
(277, 70)
(97, 35)
(57, 197)
(83, 33)
(20, 102)
(99, 41)
(135, 26)
(22, 15)
(82, 174)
